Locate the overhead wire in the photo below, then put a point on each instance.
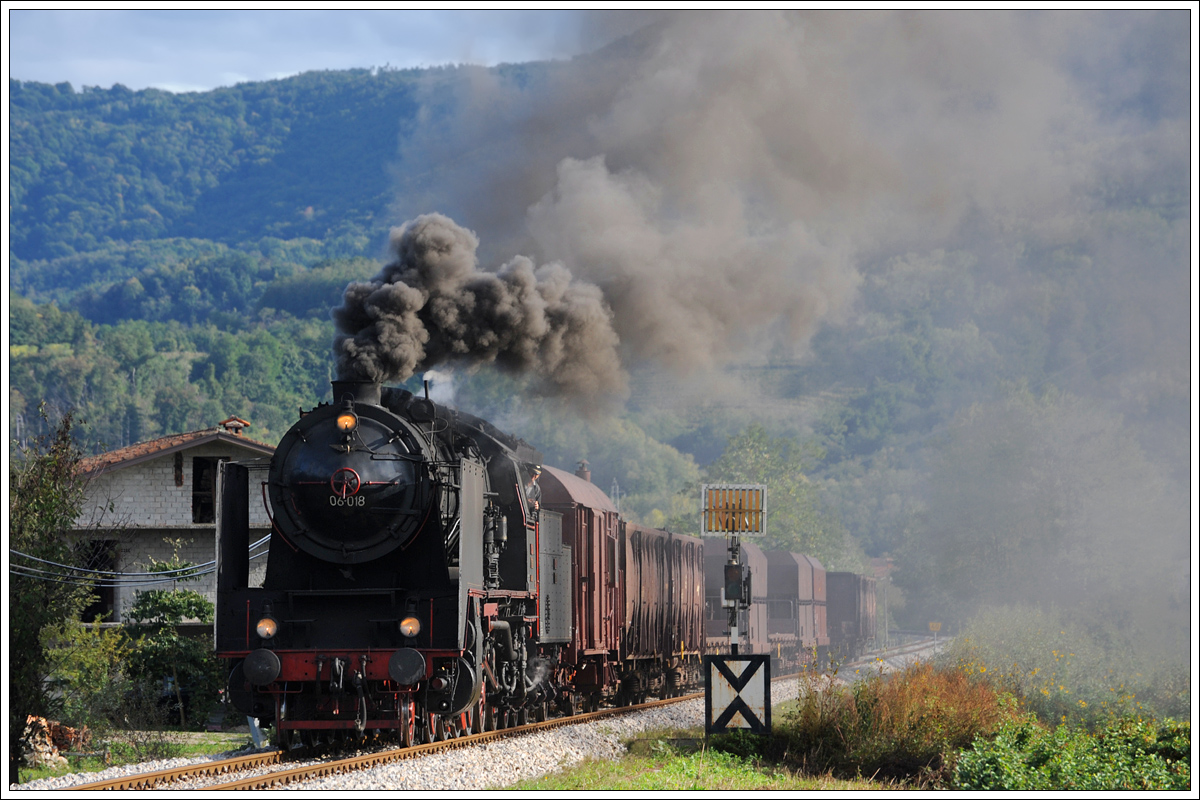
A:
(83, 576)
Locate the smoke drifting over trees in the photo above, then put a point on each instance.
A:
(977, 204)
(726, 179)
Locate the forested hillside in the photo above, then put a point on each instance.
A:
(995, 398)
(301, 158)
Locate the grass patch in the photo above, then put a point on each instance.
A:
(669, 761)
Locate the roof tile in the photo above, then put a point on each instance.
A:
(142, 450)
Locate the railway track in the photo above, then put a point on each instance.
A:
(163, 777)
(889, 660)
(279, 775)
(271, 769)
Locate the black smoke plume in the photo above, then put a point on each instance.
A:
(433, 305)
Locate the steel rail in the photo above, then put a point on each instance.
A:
(354, 763)
(162, 777)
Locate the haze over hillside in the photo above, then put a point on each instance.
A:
(948, 251)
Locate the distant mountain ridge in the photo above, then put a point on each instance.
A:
(311, 157)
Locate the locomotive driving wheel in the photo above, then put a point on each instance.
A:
(478, 713)
(408, 723)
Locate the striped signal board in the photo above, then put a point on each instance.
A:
(727, 509)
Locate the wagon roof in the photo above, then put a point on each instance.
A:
(560, 488)
(814, 561)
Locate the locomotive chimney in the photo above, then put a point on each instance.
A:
(582, 471)
(359, 391)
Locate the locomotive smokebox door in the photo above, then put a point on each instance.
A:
(348, 482)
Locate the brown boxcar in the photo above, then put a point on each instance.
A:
(663, 632)
(850, 605)
(591, 529)
(752, 621)
(796, 609)
(819, 609)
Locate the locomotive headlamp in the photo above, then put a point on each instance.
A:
(410, 626)
(266, 627)
(347, 421)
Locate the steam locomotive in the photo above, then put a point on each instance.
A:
(429, 577)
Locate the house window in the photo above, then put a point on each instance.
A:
(204, 483)
(101, 556)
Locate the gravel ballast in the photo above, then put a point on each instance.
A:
(484, 766)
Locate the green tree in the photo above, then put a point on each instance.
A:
(45, 497)
(797, 520)
(162, 656)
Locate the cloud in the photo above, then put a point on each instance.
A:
(201, 49)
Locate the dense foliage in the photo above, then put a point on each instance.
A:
(136, 380)
(163, 663)
(88, 670)
(302, 157)
(1128, 753)
(45, 497)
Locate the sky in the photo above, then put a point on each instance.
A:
(202, 49)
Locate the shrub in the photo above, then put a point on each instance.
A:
(175, 669)
(87, 671)
(904, 726)
(123, 715)
(1126, 753)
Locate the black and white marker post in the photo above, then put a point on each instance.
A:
(737, 687)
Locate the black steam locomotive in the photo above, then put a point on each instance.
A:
(402, 573)
(428, 577)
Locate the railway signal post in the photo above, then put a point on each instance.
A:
(736, 687)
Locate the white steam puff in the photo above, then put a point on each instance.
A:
(432, 305)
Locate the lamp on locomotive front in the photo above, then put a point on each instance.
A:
(266, 628)
(347, 421)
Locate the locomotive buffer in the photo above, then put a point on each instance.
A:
(737, 688)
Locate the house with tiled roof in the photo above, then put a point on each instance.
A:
(154, 500)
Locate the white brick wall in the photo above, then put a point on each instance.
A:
(141, 548)
(145, 495)
(142, 509)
